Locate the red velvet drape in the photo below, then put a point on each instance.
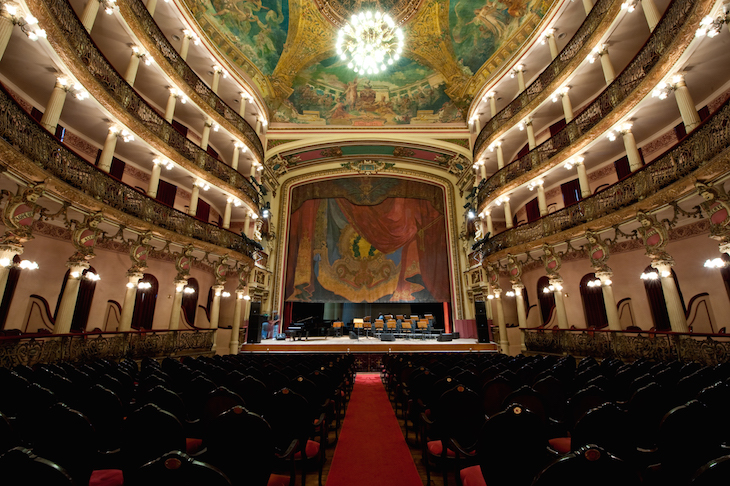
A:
(396, 223)
(301, 231)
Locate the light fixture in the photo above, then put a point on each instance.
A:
(560, 93)
(167, 164)
(594, 283)
(489, 95)
(219, 69)
(711, 27)
(246, 96)
(188, 290)
(501, 199)
(192, 36)
(109, 6)
(649, 276)
(225, 294)
(246, 297)
(715, 263)
(202, 184)
(630, 5)
(663, 89)
(537, 182)
(216, 127)
(144, 285)
(517, 69)
(471, 214)
(624, 129)
(597, 52)
(548, 33)
(27, 23)
(490, 296)
(569, 164)
(371, 41)
(497, 143)
(122, 132)
(28, 265)
(178, 94)
(144, 56)
(510, 293)
(92, 276)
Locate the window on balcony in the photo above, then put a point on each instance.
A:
(658, 305)
(166, 193)
(144, 303)
(546, 301)
(594, 307)
(203, 213)
(571, 192)
(533, 210)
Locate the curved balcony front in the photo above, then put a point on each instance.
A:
(35, 152)
(655, 59)
(74, 46)
(138, 18)
(705, 153)
(596, 24)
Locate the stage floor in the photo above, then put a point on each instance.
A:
(368, 345)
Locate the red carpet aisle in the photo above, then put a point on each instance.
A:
(371, 450)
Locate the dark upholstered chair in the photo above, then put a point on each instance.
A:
(176, 468)
(589, 464)
(20, 467)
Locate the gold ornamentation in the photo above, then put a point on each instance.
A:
(367, 167)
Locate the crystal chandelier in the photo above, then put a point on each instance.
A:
(371, 41)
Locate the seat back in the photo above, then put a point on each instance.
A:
(178, 469)
(241, 444)
(148, 433)
(422, 324)
(379, 324)
(20, 467)
(589, 464)
(218, 401)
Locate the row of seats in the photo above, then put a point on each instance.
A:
(106, 423)
(509, 418)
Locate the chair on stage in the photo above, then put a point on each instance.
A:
(406, 328)
(422, 326)
(337, 328)
(392, 325)
(379, 327)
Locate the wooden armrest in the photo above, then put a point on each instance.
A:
(290, 450)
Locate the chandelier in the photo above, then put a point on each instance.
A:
(371, 41)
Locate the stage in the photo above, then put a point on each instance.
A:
(369, 345)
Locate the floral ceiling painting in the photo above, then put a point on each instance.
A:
(286, 47)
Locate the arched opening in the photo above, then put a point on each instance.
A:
(190, 300)
(12, 282)
(657, 304)
(144, 303)
(594, 307)
(546, 300)
(83, 301)
(725, 273)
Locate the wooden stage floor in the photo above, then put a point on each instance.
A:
(369, 345)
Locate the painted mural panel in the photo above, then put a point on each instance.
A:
(330, 93)
(480, 27)
(367, 239)
(257, 28)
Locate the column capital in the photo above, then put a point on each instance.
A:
(77, 268)
(664, 265)
(135, 277)
(557, 282)
(518, 286)
(189, 34)
(725, 247)
(179, 285)
(604, 277)
(490, 94)
(208, 123)
(519, 68)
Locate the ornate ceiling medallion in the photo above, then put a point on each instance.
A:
(371, 41)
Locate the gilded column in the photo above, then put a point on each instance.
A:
(188, 35)
(585, 188)
(218, 71)
(557, 284)
(567, 105)
(497, 145)
(107, 152)
(503, 339)
(519, 71)
(170, 107)
(521, 315)
(550, 36)
(176, 304)
(155, 178)
(632, 151)
(651, 13)
(206, 134)
(88, 15)
(490, 225)
(227, 213)
(215, 309)
(541, 201)
(530, 134)
(54, 107)
(65, 313)
(507, 212)
(686, 105)
(675, 310)
(234, 346)
(614, 323)
(6, 32)
(237, 146)
(151, 6)
(193, 208)
(588, 6)
(492, 103)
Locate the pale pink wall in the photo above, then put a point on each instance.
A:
(52, 255)
(689, 254)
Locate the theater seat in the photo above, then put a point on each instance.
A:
(278, 480)
(311, 450)
(560, 444)
(107, 477)
(192, 445)
(472, 476)
(436, 447)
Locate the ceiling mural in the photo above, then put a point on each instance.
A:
(330, 93)
(287, 48)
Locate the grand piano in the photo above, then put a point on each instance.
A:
(302, 328)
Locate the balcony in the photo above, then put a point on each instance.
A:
(703, 153)
(654, 60)
(88, 64)
(22, 134)
(594, 26)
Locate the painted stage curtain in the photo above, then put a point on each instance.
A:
(391, 251)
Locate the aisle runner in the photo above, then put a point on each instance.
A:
(371, 450)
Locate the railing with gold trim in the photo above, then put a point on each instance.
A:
(707, 141)
(33, 141)
(509, 114)
(189, 76)
(614, 95)
(31, 349)
(89, 55)
(708, 349)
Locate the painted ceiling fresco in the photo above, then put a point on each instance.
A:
(287, 48)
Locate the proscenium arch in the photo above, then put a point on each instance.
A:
(455, 271)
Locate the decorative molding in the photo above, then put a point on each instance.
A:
(275, 142)
(136, 173)
(666, 140)
(367, 167)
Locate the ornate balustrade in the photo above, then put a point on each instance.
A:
(29, 138)
(158, 39)
(85, 53)
(707, 141)
(514, 112)
(613, 97)
(31, 349)
(708, 349)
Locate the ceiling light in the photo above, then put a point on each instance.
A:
(369, 41)
(715, 263)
